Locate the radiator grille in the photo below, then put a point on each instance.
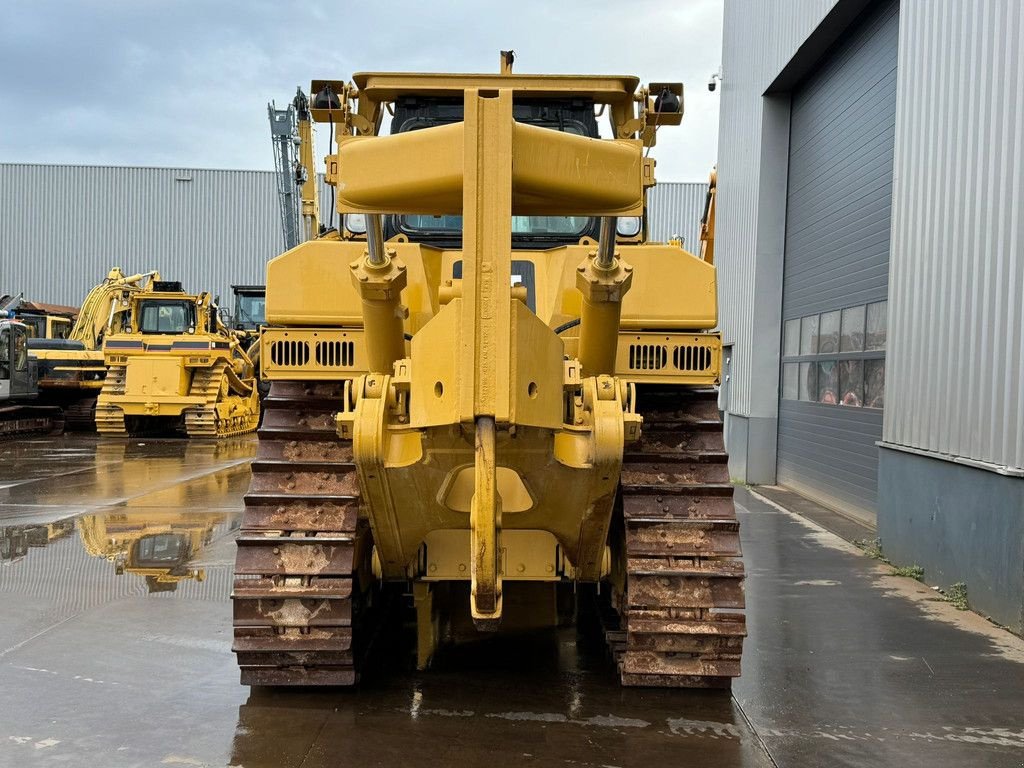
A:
(647, 357)
(335, 354)
(690, 357)
(289, 352)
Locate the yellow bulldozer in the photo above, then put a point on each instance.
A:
(158, 545)
(490, 391)
(175, 365)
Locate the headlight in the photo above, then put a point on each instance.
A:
(355, 223)
(628, 226)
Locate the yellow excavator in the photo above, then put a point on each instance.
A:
(490, 391)
(71, 369)
(173, 365)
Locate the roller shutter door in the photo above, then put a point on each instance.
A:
(837, 266)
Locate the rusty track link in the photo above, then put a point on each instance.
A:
(296, 596)
(110, 418)
(679, 624)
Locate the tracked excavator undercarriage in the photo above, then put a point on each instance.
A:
(489, 391)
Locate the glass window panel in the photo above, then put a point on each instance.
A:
(791, 343)
(874, 383)
(809, 335)
(876, 326)
(852, 337)
(828, 333)
(808, 381)
(5, 353)
(827, 385)
(851, 383)
(790, 381)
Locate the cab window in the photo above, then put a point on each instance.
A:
(166, 316)
(5, 353)
(20, 349)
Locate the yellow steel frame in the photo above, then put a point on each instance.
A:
(669, 358)
(324, 354)
(489, 447)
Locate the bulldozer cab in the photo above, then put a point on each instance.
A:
(162, 316)
(413, 112)
(250, 307)
(168, 310)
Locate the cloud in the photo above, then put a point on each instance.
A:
(186, 83)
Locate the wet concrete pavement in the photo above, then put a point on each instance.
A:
(115, 650)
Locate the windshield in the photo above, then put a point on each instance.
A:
(36, 325)
(554, 117)
(166, 316)
(160, 549)
(252, 309)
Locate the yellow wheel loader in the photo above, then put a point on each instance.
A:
(175, 365)
(489, 391)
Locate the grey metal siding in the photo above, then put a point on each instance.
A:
(837, 244)
(840, 174)
(64, 227)
(675, 208)
(759, 38)
(956, 292)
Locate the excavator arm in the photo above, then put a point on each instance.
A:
(104, 302)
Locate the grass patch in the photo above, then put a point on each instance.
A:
(872, 548)
(957, 595)
(915, 572)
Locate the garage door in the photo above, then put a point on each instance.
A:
(837, 267)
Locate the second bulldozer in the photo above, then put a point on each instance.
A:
(175, 365)
(490, 392)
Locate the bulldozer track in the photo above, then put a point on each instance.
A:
(209, 420)
(110, 418)
(301, 547)
(678, 624)
(81, 414)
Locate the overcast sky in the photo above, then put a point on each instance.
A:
(185, 83)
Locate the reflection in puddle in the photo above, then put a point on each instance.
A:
(163, 547)
(119, 518)
(15, 540)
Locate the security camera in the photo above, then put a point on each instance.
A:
(716, 76)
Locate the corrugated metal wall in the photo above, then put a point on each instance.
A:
(837, 257)
(956, 291)
(63, 227)
(759, 39)
(675, 209)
